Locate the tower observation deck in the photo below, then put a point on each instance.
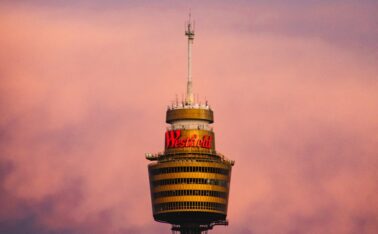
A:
(190, 180)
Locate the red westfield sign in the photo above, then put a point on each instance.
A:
(173, 139)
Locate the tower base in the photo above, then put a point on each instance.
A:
(195, 228)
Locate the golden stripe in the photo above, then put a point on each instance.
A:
(190, 210)
(190, 164)
(189, 199)
(191, 150)
(189, 187)
(193, 113)
(202, 175)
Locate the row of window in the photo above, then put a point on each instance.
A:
(172, 193)
(165, 170)
(190, 205)
(190, 181)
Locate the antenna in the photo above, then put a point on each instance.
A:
(189, 32)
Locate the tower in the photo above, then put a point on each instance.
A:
(190, 180)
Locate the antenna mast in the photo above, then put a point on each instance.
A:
(189, 32)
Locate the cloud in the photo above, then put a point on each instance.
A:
(83, 94)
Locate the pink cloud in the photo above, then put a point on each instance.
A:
(83, 95)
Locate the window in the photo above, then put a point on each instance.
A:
(190, 205)
(166, 170)
(173, 193)
(222, 183)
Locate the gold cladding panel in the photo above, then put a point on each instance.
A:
(186, 114)
(189, 199)
(190, 150)
(189, 187)
(190, 175)
(193, 163)
(191, 210)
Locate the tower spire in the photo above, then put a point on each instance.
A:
(189, 32)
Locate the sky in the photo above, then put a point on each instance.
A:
(84, 86)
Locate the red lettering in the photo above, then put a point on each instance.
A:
(173, 140)
(204, 142)
(209, 142)
(194, 138)
(182, 142)
(187, 144)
